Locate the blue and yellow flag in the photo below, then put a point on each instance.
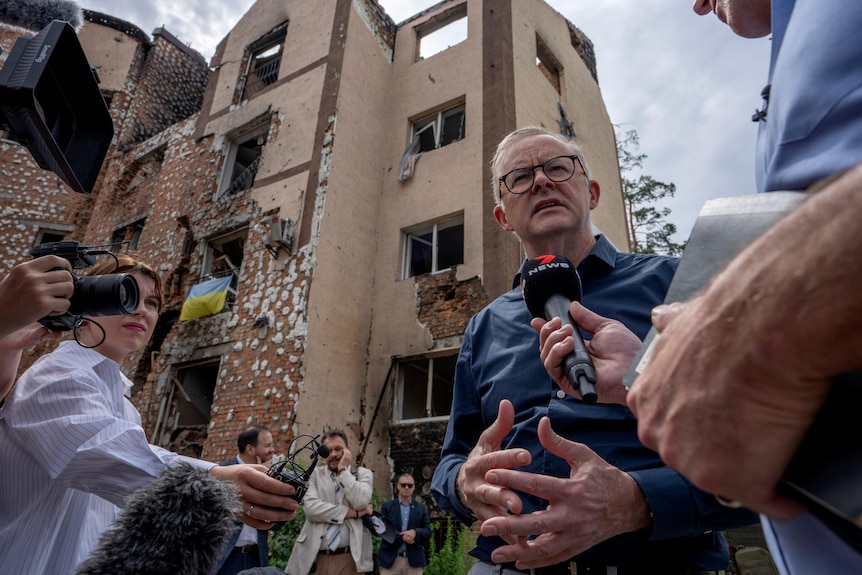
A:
(206, 298)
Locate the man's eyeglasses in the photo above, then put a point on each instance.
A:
(557, 169)
(405, 484)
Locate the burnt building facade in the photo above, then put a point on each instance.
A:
(334, 165)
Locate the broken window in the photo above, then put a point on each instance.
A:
(548, 64)
(242, 162)
(263, 62)
(45, 236)
(432, 248)
(224, 256)
(439, 129)
(186, 407)
(126, 237)
(441, 32)
(425, 387)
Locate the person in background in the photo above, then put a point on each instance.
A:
(248, 547)
(592, 496)
(333, 540)
(741, 370)
(405, 555)
(72, 447)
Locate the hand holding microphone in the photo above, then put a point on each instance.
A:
(549, 284)
(609, 353)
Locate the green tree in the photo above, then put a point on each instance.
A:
(649, 230)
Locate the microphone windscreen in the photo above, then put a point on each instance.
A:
(545, 276)
(322, 450)
(36, 14)
(179, 523)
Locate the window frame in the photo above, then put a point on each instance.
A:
(433, 376)
(228, 184)
(274, 39)
(415, 233)
(444, 26)
(435, 122)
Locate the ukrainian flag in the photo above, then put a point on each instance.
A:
(206, 298)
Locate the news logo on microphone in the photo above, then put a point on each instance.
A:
(549, 284)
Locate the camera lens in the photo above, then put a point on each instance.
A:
(109, 294)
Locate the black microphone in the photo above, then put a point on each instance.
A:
(293, 472)
(179, 523)
(36, 14)
(549, 285)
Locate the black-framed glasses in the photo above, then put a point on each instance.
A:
(557, 169)
(405, 484)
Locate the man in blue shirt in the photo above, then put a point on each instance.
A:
(761, 344)
(592, 494)
(406, 554)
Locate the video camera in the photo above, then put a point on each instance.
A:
(94, 296)
(50, 102)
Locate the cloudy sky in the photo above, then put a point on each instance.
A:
(685, 83)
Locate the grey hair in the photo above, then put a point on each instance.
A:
(520, 134)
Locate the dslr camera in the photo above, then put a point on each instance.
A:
(108, 294)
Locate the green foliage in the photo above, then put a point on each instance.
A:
(281, 540)
(451, 558)
(649, 231)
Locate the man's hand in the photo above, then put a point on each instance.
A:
(265, 500)
(345, 461)
(33, 290)
(484, 499)
(718, 411)
(409, 536)
(596, 502)
(612, 348)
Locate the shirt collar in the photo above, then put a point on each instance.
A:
(603, 255)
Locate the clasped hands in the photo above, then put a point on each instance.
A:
(596, 501)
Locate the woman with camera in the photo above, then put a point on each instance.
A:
(72, 447)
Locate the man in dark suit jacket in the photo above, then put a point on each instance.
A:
(248, 547)
(405, 555)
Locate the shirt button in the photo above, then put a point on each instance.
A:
(561, 394)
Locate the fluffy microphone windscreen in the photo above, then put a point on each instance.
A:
(177, 524)
(36, 14)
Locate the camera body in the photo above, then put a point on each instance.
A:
(93, 296)
(291, 477)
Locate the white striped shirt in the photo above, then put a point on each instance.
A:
(71, 449)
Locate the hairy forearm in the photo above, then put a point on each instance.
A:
(795, 289)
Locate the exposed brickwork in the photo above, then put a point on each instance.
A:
(446, 305)
(584, 46)
(170, 89)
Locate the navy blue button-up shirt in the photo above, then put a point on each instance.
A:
(499, 359)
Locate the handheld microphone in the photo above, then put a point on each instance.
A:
(179, 523)
(549, 285)
(36, 14)
(292, 472)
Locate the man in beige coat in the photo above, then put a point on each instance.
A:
(333, 539)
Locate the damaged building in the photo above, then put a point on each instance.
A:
(331, 168)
